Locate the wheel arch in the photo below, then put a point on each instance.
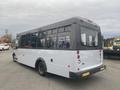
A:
(38, 61)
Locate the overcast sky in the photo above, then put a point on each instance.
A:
(22, 15)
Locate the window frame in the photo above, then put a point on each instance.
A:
(54, 35)
(86, 47)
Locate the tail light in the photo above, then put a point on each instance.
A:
(78, 55)
(78, 52)
(78, 59)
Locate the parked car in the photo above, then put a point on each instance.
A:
(4, 47)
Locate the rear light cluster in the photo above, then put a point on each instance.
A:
(78, 55)
(78, 58)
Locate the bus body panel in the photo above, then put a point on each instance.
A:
(90, 59)
(63, 61)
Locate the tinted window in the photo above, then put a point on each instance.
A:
(55, 31)
(29, 40)
(89, 37)
(63, 42)
(63, 38)
(41, 40)
(67, 28)
(61, 30)
(56, 38)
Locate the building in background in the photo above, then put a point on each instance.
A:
(4, 40)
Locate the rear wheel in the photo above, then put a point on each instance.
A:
(42, 68)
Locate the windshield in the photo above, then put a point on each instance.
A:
(89, 37)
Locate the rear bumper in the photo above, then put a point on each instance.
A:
(87, 72)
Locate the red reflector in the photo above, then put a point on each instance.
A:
(69, 66)
(77, 52)
(78, 56)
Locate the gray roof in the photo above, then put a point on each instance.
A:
(58, 24)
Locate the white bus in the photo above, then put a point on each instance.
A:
(71, 48)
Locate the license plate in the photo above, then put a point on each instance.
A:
(85, 74)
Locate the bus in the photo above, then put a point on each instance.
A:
(71, 48)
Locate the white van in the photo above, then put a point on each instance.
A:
(4, 47)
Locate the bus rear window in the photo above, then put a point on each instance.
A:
(89, 37)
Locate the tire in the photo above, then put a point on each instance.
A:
(42, 68)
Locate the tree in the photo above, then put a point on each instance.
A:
(8, 36)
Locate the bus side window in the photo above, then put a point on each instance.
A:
(25, 41)
(61, 42)
(51, 42)
(54, 38)
(67, 41)
(41, 40)
(64, 42)
(67, 28)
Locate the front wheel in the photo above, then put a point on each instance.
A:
(42, 68)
